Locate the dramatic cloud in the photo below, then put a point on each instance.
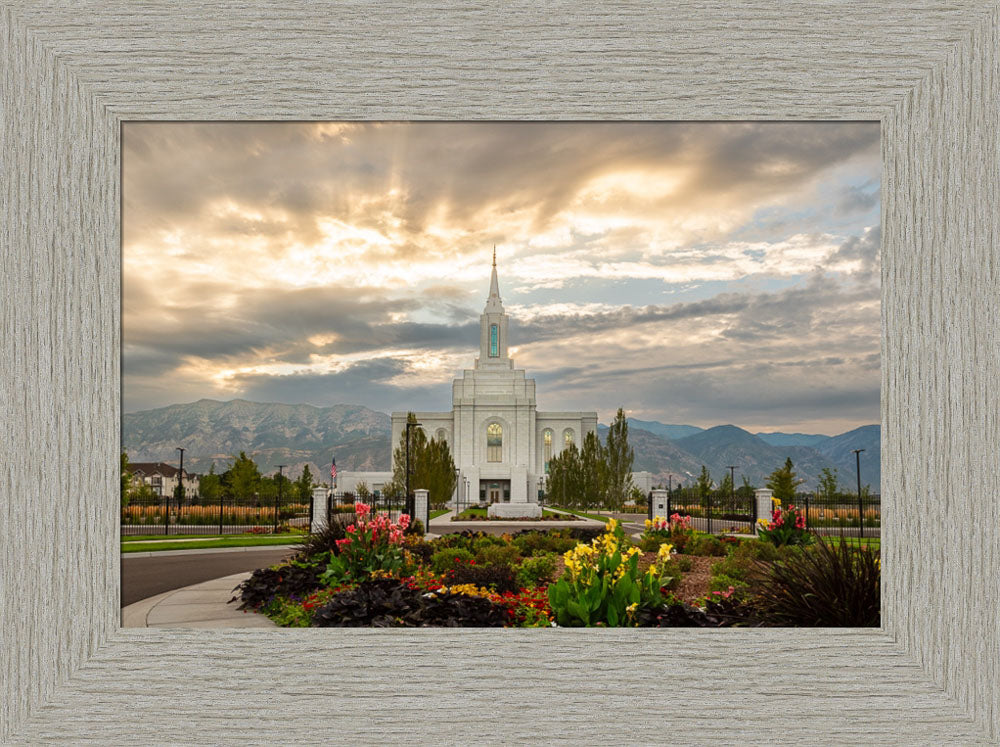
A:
(695, 272)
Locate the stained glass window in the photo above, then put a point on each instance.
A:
(547, 440)
(494, 342)
(494, 443)
(568, 438)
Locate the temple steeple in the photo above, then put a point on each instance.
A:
(493, 326)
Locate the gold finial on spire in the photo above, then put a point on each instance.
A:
(494, 255)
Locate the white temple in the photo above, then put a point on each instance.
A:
(500, 442)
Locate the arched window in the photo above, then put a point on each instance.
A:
(494, 443)
(547, 441)
(442, 435)
(568, 438)
(494, 341)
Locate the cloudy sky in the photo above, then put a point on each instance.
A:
(700, 273)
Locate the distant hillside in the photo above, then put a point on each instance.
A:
(296, 435)
(664, 430)
(271, 434)
(793, 439)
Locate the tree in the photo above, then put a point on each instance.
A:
(726, 486)
(431, 465)
(828, 484)
(593, 471)
(126, 479)
(564, 485)
(242, 479)
(418, 442)
(304, 485)
(435, 472)
(619, 458)
(362, 491)
(704, 487)
(783, 482)
(210, 486)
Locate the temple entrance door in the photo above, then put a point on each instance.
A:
(493, 494)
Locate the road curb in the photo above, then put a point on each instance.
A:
(204, 551)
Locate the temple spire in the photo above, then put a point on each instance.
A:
(494, 285)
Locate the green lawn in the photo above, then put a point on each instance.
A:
(471, 513)
(232, 540)
(874, 543)
(438, 512)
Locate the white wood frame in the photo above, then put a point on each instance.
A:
(71, 72)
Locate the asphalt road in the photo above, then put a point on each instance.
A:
(146, 577)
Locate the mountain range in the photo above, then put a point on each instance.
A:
(296, 435)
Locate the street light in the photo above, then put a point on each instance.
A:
(277, 500)
(409, 506)
(180, 485)
(732, 487)
(861, 508)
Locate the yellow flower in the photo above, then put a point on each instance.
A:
(664, 552)
(648, 523)
(632, 608)
(762, 522)
(775, 501)
(612, 525)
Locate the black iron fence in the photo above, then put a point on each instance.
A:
(340, 505)
(738, 512)
(164, 516)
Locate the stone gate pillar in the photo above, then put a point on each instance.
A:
(319, 509)
(763, 498)
(421, 508)
(659, 503)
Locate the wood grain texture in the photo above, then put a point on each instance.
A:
(72, 72)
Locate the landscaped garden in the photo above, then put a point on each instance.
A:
(379, 573)
(475, 513)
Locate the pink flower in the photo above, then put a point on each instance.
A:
(362, 509)
(343, 543)
(351, 529)
(404, 521)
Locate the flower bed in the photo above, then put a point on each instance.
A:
(373, 573)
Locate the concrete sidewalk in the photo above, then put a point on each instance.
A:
(444, 525)
(203, 605)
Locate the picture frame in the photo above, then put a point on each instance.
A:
(73, 72)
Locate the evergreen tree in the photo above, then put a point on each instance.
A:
(210, 486)
(241, 481)
(593, 472)
(783, 482)
(619, 459)
(431, 465)
(304, 485)
(726, 486)
(418, 442)
(704, 487)
(126, 480)
(828, 484)
(564, 485)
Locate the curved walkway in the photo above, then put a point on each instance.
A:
(203, 605)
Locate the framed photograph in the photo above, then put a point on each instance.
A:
(929, 79)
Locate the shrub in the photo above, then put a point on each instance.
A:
(533, 541)
(683, 564)
(382, 603)
(705, 544)
(449, 558)
(499, 578)
(536, 570)
(649, 544)
(373, 543)
(744, 560)
(723, 582)
(828, 585)
(265, 584)
(504, 554)
(415, 527)
(322, 542)
(787, 526)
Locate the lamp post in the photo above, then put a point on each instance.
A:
(277, 498)
(861, 507)
(180, 485)
(458, 486)
(408, 504)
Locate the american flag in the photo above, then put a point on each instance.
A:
(333, 469)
